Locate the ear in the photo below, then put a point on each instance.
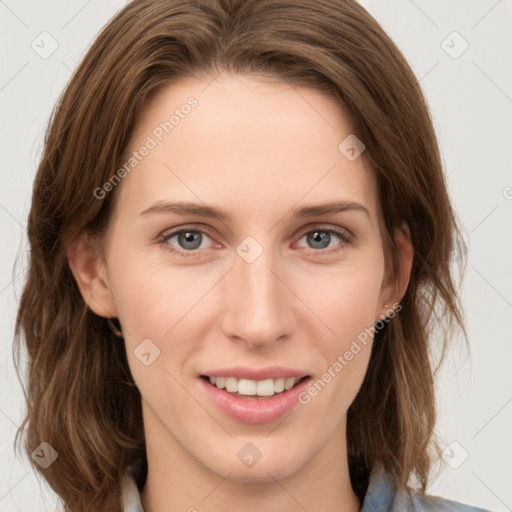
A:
(88, 267)
(392, 292)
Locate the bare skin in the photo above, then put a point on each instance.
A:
(258, 149)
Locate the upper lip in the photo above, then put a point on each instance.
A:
(270, 372)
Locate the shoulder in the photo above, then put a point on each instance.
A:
(381, 496)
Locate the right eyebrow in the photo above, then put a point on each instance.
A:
(184, 209)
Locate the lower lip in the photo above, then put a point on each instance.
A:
(255, 410)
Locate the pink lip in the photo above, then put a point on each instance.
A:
(254, 410)
(270, 372)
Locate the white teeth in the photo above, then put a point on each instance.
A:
(279, 385)
(289, 383)
(231, 384)
(247, 387)
(267, 387)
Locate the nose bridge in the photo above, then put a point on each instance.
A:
(258, 305)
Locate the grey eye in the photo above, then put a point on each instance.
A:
(319, 239)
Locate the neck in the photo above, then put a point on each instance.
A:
(178, 481)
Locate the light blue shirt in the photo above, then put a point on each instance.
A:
(380, 497)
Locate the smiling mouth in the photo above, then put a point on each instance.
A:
(254, 389)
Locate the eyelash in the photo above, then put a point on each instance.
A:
(344, 235)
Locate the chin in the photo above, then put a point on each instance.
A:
(260, 473)
(275, 465)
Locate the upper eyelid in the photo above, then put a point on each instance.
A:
(175, 231)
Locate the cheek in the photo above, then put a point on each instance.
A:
(347, 306)
(154, 310)
(346, 301)
(160, 310)
(149, 295)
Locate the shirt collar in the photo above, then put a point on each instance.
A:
(130, 494)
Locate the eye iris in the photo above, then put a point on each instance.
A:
(187, 237)
(319, 237)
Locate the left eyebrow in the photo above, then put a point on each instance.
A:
(329, 208)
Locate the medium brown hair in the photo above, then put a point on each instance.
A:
(81, 398)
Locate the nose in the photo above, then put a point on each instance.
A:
(259, 308)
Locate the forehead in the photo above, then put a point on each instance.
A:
(246, 142)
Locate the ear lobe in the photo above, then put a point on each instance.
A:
(88, 268)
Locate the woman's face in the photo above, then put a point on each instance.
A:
(263, 292)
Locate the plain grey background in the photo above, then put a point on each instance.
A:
(462, 51)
